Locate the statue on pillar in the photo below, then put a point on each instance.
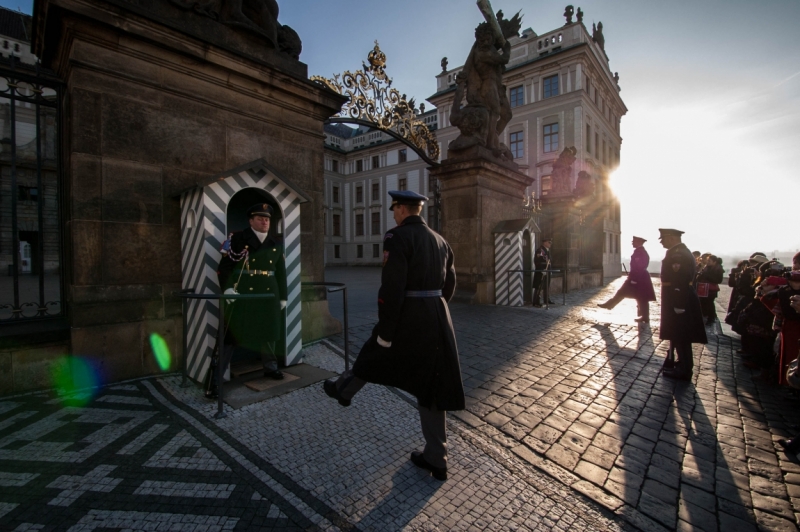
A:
(597, 35)
(562, 172)
(568, 12)
(488, 110)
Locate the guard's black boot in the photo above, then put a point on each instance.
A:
(439, 473)
(332, 391)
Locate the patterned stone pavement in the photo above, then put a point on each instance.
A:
(569, 427)
(148, 455)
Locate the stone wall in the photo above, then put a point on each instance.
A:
(151, 111)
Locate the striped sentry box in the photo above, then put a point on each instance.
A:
(508, 255)
(204, 228)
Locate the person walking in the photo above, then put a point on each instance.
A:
(681, 317)
(638, 284)
(541, 281)
(413, 346)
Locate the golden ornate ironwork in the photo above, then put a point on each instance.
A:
(373, 100)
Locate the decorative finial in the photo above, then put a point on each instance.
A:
(579, 15)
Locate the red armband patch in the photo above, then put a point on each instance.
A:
(380, 301)
(385, 257)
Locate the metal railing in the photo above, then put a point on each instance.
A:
(223, 363)
(546, 281)
(338, 287)
(187, 294)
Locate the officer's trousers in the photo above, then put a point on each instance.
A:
(432, 420)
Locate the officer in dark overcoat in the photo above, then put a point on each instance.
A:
(413, 346)
(681, 317)
(253, 263)
(638, 285)
(541, 261)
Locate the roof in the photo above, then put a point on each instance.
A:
(515, 226)
(340, 130)
(15, 25)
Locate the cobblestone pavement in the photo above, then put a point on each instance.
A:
(569, 427)
(148, 455)
(576, 391)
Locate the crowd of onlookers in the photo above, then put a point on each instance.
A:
(764, 310)
(709, 275)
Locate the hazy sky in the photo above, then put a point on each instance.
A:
(712, 90)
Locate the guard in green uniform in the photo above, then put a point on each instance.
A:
(253, 262)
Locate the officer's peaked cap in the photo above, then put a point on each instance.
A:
(547, 239)
(669, 232)
(640, 239)
(406, 197)
(260, 209)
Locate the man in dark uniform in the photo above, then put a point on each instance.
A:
(413, 346)
(681, 317)
(253, 263)
(541, 261)
(638, 284)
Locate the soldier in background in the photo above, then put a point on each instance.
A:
(638, 284)
(541, 261)
(681, 317)
(253, 263)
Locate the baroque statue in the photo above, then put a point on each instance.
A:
(568, 12)
(488, 110)
(579, 15)
(444, 64)
(597, 35)
(562, 172)
(259, 17)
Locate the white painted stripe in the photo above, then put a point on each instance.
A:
(197, 490)
(142, 439)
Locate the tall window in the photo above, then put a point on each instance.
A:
(588, 138)
(376, 161)
(517, 96)
(517, 144)
(359, 225)
(376, 191)
(550, 138)
(335, 165)
(336, 253)
(359, 194)
(547, 184)
(596, 144)
(28, 193)
(376, 223)
(336, 194)
(402, 184)
(402, 156)
(337, 225)
(359, 251)
(376, 251)
(359, 165)
(604, 152)
(551, 86)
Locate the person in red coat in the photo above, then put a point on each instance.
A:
(638, 285)
(787, 320)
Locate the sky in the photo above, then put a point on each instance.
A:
(712, 89)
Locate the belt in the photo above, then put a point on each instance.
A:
(423, 293)
(268, 273)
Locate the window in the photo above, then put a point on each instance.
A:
(337, 225)
(359, 165)
(359, 194)
(588, 138)
(335, 165)
(28, 194)
(604, 152)
(550, 138)
(336, 194)
(376, 161)
(517, 96)
(16, 47)
(517, 144)
(359, 225)
(402, 184)
(547, 184)
(402, 155)
(5, 45)
(376, 191)
(359, 251)
(376, 223)
(336, 254)
(551, 86)
(376, 251)
(596, 143)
